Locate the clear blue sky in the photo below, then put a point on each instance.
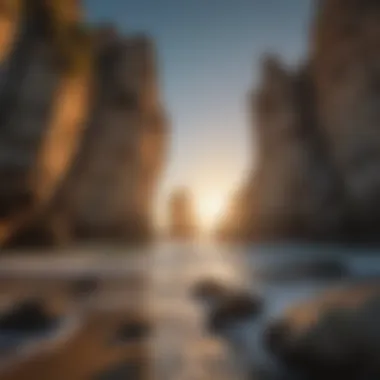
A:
(209, 51)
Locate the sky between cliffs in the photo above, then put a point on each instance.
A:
(209, 54)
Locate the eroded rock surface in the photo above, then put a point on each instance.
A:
(111, 187)
(43, 95)
(316, 176)
(82, 130)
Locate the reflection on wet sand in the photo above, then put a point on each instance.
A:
(90, 340)
(138, 315)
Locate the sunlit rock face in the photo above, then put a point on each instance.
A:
(346, 71)
(9, 20)
(182, 215)
(43, 84)
(111, 187)
(111, 172)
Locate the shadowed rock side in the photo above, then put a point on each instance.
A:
(346, 71)
(44, 69)
(293, 192)
(182, 217)
(316, 176)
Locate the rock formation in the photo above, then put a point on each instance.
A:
(335, 335)
(113, 182)
(182, 218)
(44, 88)
(346, 72)
(9, 20)
(88, 135)
(316, 177)
(235, 221)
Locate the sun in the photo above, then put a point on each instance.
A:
(209, 210)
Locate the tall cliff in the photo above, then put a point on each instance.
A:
(317, 175)
(114, 179)
(346, 70)
(82, 129)
(43, 94)
(293, 179)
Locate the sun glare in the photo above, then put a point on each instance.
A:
(209, 211)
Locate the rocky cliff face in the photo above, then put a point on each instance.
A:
(35, 73)
(117, 170)
(294, 180)
(9, 20)
(346, 72)
(317, 172)
(82, 110)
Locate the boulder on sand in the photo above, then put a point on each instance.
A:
(227, 304)
(336, 335)
(28, 316)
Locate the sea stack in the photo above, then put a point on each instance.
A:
(182, 216)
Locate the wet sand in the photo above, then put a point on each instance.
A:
(90, 349)
(88, 355)
(152, 288)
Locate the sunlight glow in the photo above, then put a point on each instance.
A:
(209, 210)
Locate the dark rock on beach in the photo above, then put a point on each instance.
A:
(29, 316)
